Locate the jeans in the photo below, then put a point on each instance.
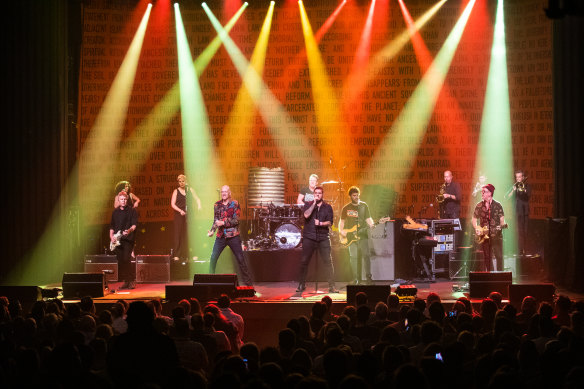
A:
(235, 244)
(363, 244)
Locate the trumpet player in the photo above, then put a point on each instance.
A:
(520, 193)
(449, 197)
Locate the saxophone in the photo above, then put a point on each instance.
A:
(440, 197)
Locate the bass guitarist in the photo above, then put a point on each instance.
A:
(488, 220)
(353, 225)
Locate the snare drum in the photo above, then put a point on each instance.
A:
(288, 236)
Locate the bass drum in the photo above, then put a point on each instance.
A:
(288, 236)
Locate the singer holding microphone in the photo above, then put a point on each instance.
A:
(318, 217)
(181, 203)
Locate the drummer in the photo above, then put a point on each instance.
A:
(306, 194)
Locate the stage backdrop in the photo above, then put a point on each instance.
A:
(341, 122)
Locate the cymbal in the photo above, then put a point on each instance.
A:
(330, 182)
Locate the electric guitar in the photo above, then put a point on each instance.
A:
(484, 235)
(351, 234)
(117, 236)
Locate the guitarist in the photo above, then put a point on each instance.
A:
(489, 218)
(355, 215)
(124, 219)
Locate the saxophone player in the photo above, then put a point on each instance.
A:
(451, 196)
(520, 194)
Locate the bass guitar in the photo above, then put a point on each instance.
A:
(349, 236)
(484, 233)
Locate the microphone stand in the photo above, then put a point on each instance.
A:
(340, 190)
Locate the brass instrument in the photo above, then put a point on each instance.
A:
(518, 186)
(440, 197)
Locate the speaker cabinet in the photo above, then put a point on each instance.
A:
(375, 293)
(211, 286)
(382, 249)
(483, 283)
(99, 263)
(78, 285)
(152, 268)
(541, 292)
(24, 294)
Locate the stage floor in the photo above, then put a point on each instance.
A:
(448, 290)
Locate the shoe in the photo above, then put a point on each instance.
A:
(176, 259)
(301, 288)
(132, 285)
(356, 282)
(332, 289)
(125, 285)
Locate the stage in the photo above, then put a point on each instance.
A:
(275, 303)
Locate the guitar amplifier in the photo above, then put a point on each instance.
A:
(152, 268)
(99, 263)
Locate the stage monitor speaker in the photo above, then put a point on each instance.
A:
(24, 294)
(78, 285)
(483, 283)
(375, 293)
(541, 292)
(152, 268)
(211, 286)
(99, 263)
(175, 293)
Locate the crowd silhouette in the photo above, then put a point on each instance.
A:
(425, 344)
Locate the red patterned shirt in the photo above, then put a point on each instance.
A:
(228, 213)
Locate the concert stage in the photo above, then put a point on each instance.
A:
(276, 303)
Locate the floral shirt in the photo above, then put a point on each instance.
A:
(492, 215)
(230, 214)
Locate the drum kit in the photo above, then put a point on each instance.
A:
(275, 227)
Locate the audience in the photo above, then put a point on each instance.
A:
(428, 344)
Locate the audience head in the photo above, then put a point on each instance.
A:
(139, 316)
(497, 298)
(224, 301)
(361, 298)
(186, 305)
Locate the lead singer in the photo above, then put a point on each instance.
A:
(318, 216)
(226, 222)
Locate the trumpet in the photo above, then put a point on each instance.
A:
(440, 197)
(518, 186)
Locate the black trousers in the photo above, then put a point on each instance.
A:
(126, 272)
(490, 247)
(309, 246)
(522, 223)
